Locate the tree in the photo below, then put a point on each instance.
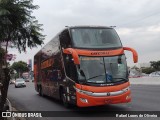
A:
(20, 28)
(155, 64)
(148, 70)
(20, 67)
(2, 54)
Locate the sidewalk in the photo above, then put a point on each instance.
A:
(8, 103)
(16, 118)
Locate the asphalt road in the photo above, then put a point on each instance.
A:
(144, 98)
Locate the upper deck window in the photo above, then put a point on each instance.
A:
(95, 38)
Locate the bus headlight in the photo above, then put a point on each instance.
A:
(84, 92)
(126, 89)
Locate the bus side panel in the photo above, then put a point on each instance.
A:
(57, 75)
(37, 61)
(35, 77)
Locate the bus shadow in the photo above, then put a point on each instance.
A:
(98, 111)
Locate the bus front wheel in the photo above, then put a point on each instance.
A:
(64, 99)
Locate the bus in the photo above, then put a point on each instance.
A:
(84, 66)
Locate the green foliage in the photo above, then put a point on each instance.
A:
(18, 26)
(20, 66)
(148, 70)
(155, 64)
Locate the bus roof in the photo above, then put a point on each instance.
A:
(70, 27)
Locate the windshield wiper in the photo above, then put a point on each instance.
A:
(122, 79)
(95, 76)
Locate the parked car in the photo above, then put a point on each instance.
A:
(155, 74)
(20, 83)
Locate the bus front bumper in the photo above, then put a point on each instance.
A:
(84, 100)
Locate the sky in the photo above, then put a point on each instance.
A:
(137, 23)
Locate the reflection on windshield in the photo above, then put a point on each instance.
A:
(93, 66)
(103, 69)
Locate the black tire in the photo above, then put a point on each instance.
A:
(15, 86)
(41, 91)
(64, 99)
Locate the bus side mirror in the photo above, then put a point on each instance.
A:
(135, 55)
(119, 60)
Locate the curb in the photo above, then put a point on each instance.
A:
(13, 109)
(10, 108)
(9, 104)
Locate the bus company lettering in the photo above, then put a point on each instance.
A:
(101, 53)
(47, 63)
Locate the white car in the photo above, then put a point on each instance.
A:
(20, 83)
(155, 74)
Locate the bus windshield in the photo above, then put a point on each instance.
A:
(95, 38)
(103, 69)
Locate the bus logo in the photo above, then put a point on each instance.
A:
(108, 94)
(100, 53)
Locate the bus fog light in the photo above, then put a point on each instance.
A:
(128, 97)
(84, 100)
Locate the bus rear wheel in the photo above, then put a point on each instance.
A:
(40, 91)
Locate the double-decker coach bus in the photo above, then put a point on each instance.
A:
(84, 66)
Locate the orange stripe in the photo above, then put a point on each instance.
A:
(76, 52)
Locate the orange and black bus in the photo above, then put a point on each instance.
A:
(84, 66)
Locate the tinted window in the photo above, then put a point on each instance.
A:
(95, 38)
